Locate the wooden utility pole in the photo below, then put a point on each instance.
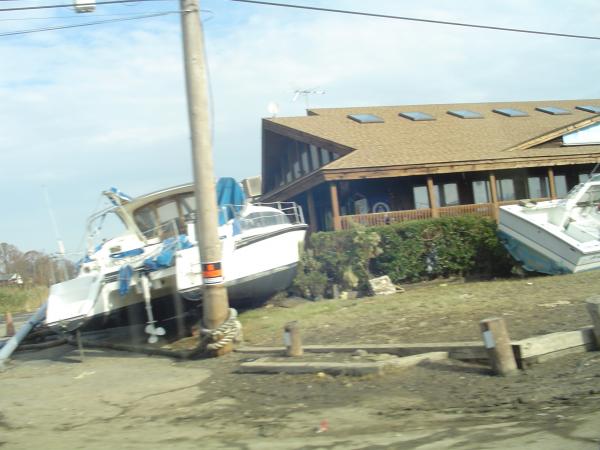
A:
(215, 304)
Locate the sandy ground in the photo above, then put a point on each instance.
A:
(51, 399)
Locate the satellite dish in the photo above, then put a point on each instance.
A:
(273, 109)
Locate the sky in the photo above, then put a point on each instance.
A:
(87, 108)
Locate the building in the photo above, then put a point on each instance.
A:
(11, 279)
(376, 165)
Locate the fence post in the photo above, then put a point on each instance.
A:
(498, 346)
(291, 339)
(593, 307)
(10, 324)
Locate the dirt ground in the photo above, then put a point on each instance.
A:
(51, 399)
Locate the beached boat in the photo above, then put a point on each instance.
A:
(557, 236)
(155, 257)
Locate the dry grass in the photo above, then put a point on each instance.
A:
(444, 311)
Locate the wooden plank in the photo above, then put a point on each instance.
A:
(264, 365)
(467, 351)
(554, 342)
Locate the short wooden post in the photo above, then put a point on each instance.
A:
(593, 307)
(291, 339)
(10, 325)
(498, 346)
(80, 345)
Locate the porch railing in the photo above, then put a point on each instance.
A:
(386, 218)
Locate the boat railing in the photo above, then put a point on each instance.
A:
(291, 210)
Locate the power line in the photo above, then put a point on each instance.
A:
(414, 19)
(78, 16)
(71, 5)
(87, 24)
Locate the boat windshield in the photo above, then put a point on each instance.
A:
(165, 217)
(591, 196)
(260, 219)
(105, 227)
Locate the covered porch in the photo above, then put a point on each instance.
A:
(337, 205)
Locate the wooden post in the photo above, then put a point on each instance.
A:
(494, 194)
(312, 212)
(593, 307)
(551, 183)
(335, 206)
(10, 325)
(291, 339)
(432, 199)
(498, 346)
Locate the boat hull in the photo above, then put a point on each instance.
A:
(541, 248)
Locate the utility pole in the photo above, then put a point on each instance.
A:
(215, 304)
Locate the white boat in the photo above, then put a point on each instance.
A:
(155, 257)
(556, 236)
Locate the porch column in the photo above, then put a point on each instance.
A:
(494, 194)
(335, 206)
(551, 183)
(431, 195)
(312, 212)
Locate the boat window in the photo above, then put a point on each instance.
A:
(591, 196)
(188, 205)
(169, 220)
(145, 219)
(107, 227)
(261, 219)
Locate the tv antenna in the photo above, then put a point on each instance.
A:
(306, 93)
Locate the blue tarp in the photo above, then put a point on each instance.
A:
(230, 198)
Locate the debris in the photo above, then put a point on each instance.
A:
(382, 285)
(83, 375)
(323, 426)
(360, 352)
(554, 304)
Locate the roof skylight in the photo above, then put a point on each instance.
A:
(416, 116)
(552, 110)
(510, 112)
(465, 114)
(589, 108)
(365, 118)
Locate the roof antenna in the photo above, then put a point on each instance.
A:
(305, 93)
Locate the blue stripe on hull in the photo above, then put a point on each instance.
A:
(531, 260)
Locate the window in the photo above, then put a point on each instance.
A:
(552, 110)
(305, 161)
(560, 184)
(365, 118)
(421, 198)
(481, 191)
(449, 195)
(510, 112)
(314, 157)
(506, 189)
(465, 114)
(537, 187)
(589, 108)
(297, 172)
(416, 116)
(325, 156)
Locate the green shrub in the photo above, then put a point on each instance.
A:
(18, 299)
(406, 252)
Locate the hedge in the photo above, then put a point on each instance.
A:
(406, 252)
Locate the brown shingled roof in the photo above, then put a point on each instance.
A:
(447, 139)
